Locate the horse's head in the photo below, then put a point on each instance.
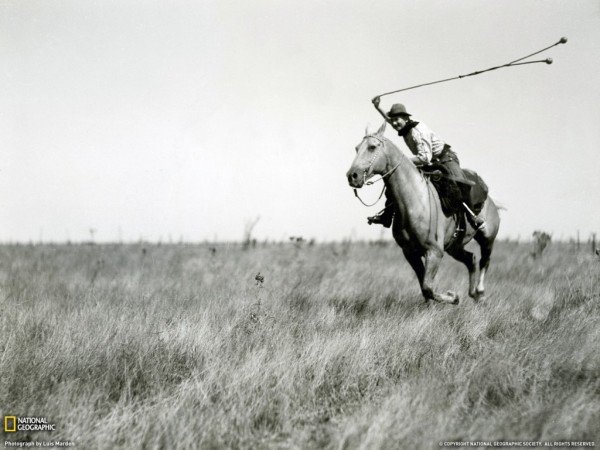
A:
(370, 158)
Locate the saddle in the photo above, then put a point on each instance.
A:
(454, 191)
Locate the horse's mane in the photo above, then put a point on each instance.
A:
(379, 135)
(405, 160)
(391, 144)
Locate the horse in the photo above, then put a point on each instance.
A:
(420, 227)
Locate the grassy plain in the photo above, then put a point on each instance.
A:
(162, 346)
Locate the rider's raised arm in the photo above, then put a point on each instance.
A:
(376, 101)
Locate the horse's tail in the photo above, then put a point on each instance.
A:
(500, 206)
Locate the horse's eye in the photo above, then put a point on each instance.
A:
(372, 147)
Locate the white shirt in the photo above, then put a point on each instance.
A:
(423, 143)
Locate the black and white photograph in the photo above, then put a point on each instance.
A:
(283, 224)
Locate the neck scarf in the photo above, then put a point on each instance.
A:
(406, 128)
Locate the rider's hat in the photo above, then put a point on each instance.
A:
(397, 110)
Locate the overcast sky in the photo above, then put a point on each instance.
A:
(189, 119)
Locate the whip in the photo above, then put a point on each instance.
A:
(516, 62)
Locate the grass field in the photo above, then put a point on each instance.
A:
(160, 346)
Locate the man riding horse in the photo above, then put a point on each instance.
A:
(428, 148)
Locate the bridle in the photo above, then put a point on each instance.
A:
(368, 169)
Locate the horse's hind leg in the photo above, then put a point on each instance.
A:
(433, 257)
(468, 259)
(486, 244)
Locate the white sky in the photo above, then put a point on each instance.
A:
(191, 118)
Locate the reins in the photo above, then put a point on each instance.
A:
(375, 202)
(385, 175)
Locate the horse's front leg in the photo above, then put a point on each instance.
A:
(415, 260)
(433, 258)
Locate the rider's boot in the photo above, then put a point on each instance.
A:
(476, 222)
(384, 217)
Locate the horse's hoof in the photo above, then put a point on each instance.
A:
(479, 296)
(454, 297)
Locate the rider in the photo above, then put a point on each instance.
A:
(427, 148)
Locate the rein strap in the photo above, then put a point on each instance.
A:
(387, 174)
(369, 183)
(361, 200)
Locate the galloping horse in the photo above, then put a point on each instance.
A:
(420, 227)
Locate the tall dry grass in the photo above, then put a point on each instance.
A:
(145, 346)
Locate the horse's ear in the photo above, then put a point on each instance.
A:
(368, 129)
(381, 129)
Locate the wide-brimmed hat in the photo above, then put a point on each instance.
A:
(397, 110)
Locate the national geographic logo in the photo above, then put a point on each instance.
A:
(13, 424)
(10, 424)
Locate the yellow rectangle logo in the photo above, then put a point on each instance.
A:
(10, 424)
